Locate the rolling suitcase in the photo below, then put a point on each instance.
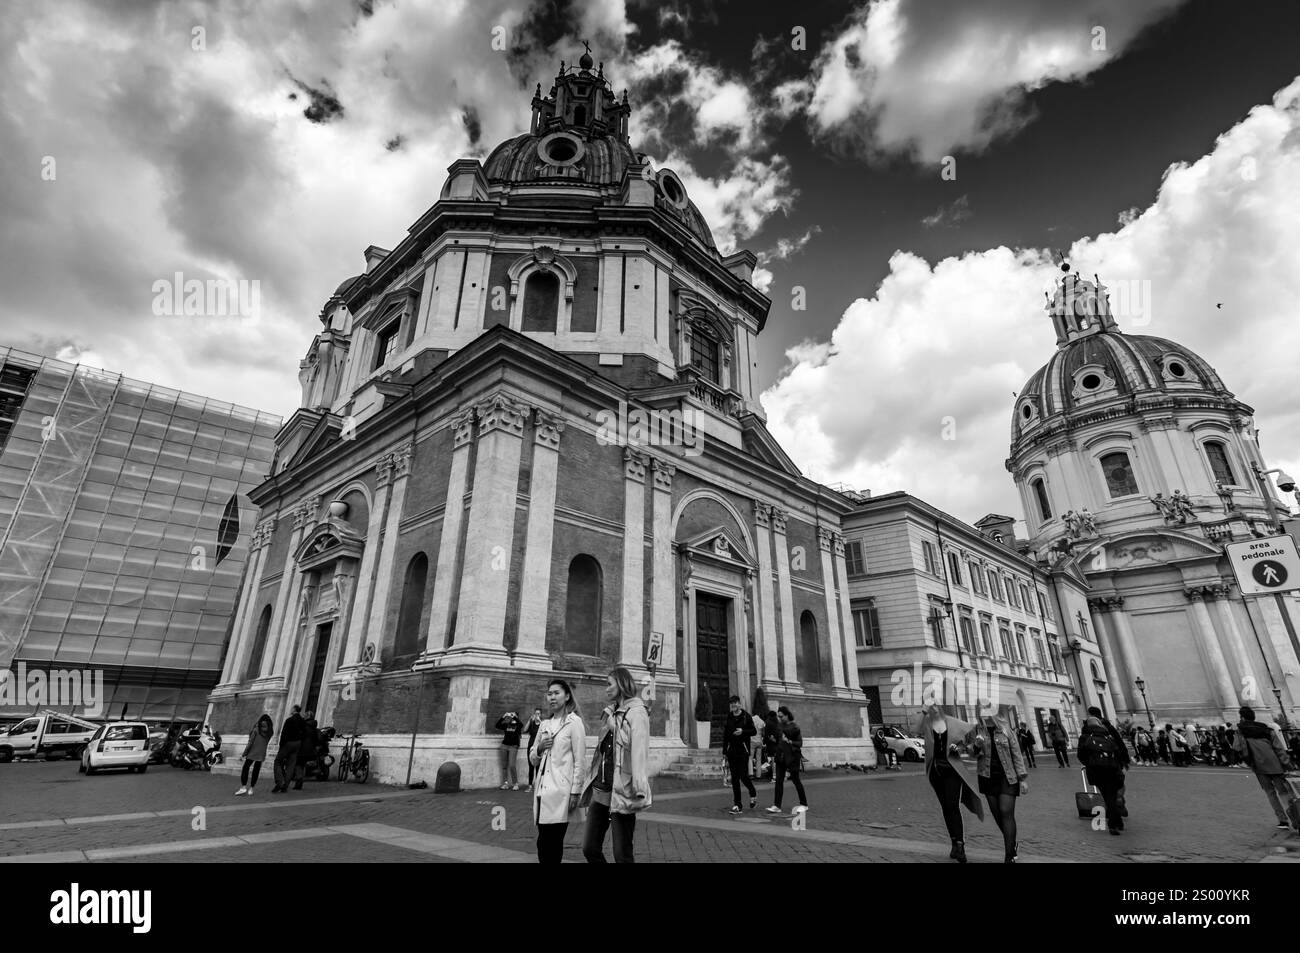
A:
(1293, 806)
(1088, 799)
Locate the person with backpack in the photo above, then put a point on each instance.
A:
(1026, 739)
(286, 759)
(1177, 746)
(737, 731)
(771, 741)
(1261, 747)
(1105, 758)
(1142, 745)
(1162, 745)
(789, 759)
(1060, 741)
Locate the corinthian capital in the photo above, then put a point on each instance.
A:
(547, 428)
(462, 428)
(824, 537)
(634, 464)
(779, 517)
(500, 412)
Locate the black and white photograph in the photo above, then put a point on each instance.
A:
(614, 431)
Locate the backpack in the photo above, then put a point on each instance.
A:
(1100, 750)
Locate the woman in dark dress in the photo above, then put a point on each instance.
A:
(948, 776)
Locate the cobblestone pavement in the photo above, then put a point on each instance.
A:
(49, 811)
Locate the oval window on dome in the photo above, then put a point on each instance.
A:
(672, 188)
(1027, 411)
(1177, 369)
(560, 149)
(1090, 382)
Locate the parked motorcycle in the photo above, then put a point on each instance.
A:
(197, 749)
(319, 767)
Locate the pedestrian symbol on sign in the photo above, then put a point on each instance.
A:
(1269, 573)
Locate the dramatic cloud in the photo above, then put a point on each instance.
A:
(931, 79)
(939, 351)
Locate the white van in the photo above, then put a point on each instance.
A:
(46, 733)
(123, 744)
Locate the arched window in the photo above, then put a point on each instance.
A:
(583, 607)
(1119, 474)
(580, 115)
(1040, 495)
(1217, 454)
(407, 641)
(808, 662)
(704, 355)
(541, 302)
(254, 668)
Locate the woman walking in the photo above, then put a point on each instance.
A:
(1003, 776)
(618, 783)
(255, 754)
(558, 755)
(947, 775)
(789, 757)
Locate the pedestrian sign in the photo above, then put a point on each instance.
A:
(655, 649)
(1265, 565)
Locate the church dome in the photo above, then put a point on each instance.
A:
(1096, 362)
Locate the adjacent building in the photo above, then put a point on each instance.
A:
(955, 615)
(530, 446)
(1136, 465)
(122, 533)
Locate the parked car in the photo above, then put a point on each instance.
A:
(905, 747)
(123, 744)
(47, 733)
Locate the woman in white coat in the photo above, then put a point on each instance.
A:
(560, 757)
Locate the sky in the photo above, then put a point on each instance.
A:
(907, 172)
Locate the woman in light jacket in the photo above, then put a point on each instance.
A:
(1003, 776)
(558, 754)
(948, 776)
(255, 754)
(618, 782)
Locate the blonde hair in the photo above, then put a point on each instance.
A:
(624, 683)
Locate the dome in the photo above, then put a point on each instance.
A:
(1107, 365)
(600, 161)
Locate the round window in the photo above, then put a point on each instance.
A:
(1177, 369)
(1027, 411)
(560, 149)
(672, 188)
(1090, 382)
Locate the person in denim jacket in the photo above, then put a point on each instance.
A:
(1003, 776)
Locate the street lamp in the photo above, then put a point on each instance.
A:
(1277, 692)
(1142, 687)
(1076, 645)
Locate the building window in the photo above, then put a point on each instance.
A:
(1040, 648)
(1040, 494)
(583, 607)
(386, 344)
(228, 529)
(1218, 457)
(407, 641)
(254, 669)
(1024, 599)
(1021, 651)
(936, 620)
(927, 552)
(1004, 636)
(995, 585)
(1056, 656)
(986, 638)
(975, 577)
(968, 634)
(1011, 594)
(1042, 605)
(541, 302)
(954, 567)
(704, 355)
(853, 559)
(14, 382)
(866, 625)
(808, 663)
(1119, 474)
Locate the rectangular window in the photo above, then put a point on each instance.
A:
(995, 585)
(386, 344)
(1022, 652)
(1004, 636)
(1056, 656)
(1040, 648)
(954, 567)
(1042, 605)
(866, 625)
(1024, 599)
(968, 633)
(937, 620)
(986, 638)
(853, 559)
(1219, 465)
(704, 356)
(927, 551)
(1011, 594)
(976, 578)
(1119, 474)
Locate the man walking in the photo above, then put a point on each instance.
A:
(736, 733)
(1261, 747)
(286, 759)
(1027, 744)
(1060, 741)
(1105, 758)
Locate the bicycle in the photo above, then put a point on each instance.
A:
(354, 760)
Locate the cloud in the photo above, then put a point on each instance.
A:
(953, 341)
(929, 80)
(948, 216)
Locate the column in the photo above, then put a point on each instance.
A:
(634, 465)
(663, 605)
(1109, 659)
(485, 577)
(1217, 666)
(289, 581)
(790, 673)
(770, 673)
(1250, 690)
(536, 589)
(1128, 652)
(239, 642)
(383, 585)
(358, 619)
(835, 637)
(846, 619)
(453, 517)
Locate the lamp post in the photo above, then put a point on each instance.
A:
(1286, 722)
(1142, 687)
(1076, 645)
